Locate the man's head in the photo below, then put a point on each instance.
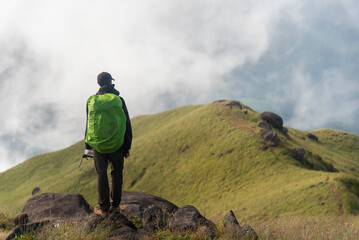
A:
(104, 78)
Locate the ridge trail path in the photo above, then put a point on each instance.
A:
(238, 124)
(338, 195)
(340, 199)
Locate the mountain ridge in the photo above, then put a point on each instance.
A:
(209, 156)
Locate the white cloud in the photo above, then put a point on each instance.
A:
(317, 104)
(162, 54)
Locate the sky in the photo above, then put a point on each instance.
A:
(297, 58)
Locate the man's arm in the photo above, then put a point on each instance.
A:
(128, 133)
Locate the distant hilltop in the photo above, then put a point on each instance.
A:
(217, 156)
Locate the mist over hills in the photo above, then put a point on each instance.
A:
(298, 58)
(211, 156)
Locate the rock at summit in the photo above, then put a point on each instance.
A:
(273, 119)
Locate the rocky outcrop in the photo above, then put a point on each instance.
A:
(22, 218)
(230, 221)
(264, 125)
(126, 233)
(188, 218)
(298, 153)
(123, 228)
(246, 232)
(30, 227)
(234, 104)
(35, 190)
(91, 223)
(133, 204)
(313, 137)
(284, 130)
(263, 147)
(270, 135)
(154, 218)
(56, 206)
(273, 119)
(52, 208)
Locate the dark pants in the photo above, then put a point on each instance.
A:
(107, 197)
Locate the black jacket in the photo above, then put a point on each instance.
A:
(128, 133)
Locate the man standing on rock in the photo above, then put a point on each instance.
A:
(109, 134)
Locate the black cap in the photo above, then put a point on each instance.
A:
(104, 78)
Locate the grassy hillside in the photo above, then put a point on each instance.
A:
(209, 156)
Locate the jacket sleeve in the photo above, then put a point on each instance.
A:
(128, 133)
(87, 110)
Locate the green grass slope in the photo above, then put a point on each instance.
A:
(208, 156)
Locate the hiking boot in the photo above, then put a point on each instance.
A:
(100, 212)
(114, 209)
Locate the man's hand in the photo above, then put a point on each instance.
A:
(127, 154)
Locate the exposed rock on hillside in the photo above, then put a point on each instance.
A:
(263, 147)
(35, 190)
(30, 227)
(56, 206)
(270, 135)
(313, 137)
(230, 220)
(22, 218)
(133, 204)
(188, 218)
(298, 153)
(284, 130)
(234, 104)
(123, 228)
(263, 124)
(246, 232)
(91, 222)
(154, 218)
(62, 207)
(273, 119)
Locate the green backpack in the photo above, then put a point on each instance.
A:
(106, 123)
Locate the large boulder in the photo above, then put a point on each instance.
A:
(56, 206)
(273, 119)
(133, 204)
(188, 218)
(231, 224)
